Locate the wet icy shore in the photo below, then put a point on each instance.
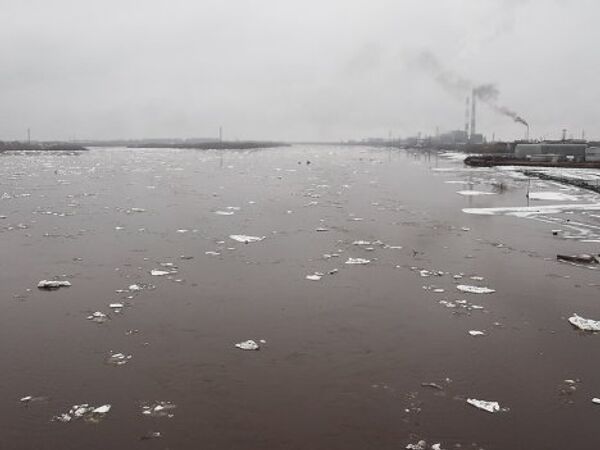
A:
(386, 308)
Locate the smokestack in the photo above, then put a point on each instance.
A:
(467, 117)
(473, 108)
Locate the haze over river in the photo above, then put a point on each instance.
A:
(346, 353)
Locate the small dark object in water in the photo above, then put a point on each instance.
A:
(555, 233)
(307, 162)
(583, 259)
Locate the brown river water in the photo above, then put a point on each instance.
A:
(345, 357)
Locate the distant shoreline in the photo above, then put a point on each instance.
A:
(17, 146)
(225, 145)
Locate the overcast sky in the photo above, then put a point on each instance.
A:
(294, 70)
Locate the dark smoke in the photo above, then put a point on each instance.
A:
(488, 93)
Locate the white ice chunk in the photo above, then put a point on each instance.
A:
(104, 409)
(584, 324)
(246, 239)
(473, 193)
(490, 407)
(248, 345)
(525, 211)
(159, 273)
(358, 261)
(53, 284)
(314, 277)
(476, 333)
(474, 289)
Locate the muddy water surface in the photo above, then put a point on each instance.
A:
(345, 357)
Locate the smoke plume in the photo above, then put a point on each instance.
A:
(458, 85)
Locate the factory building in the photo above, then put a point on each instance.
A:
(550, 150)
(592, 154)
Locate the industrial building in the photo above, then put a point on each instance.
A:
(592, 154)
(549, 151)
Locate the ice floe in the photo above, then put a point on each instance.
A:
(525, 211)
(53, 284)
(314, 277)
(476, 333)
(474, 289)
(98, 317)
(491, 407)
(248, 345)
(118, 359)
(358, 261)
(473, 193)
(584, 324)
(159, 273)
(84, 411)
(159, 409)
(246, 239)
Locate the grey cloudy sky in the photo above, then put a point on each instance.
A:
(279, 69)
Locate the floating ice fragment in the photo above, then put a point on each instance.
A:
(476, 333)
(361, 243)
(84, 411)
(98, 317)
(159, 409)
(224, 213)
(584, 324)
(104, 409)
(159, 273)
(358, 261)
(437, 446)
(474, 289)
(596, 400)
(447, 304)
(52, 284)
(525, 211)
(314, 277)
(248, 345)
(116, 305)
(135, 287)
(182, 230)
(246, 239)
(421, 445)
(490, 407)
(473, 193)
(118, 359)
